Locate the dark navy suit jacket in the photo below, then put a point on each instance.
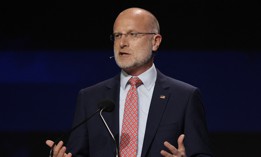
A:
(176, 108)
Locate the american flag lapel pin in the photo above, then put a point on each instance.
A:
(162, 97)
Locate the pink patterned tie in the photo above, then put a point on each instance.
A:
(129, 133)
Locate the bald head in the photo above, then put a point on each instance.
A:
(140, 15)
(137, 36)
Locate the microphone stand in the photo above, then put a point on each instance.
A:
(116, 146)
(75, 127)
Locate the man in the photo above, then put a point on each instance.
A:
(171, 114)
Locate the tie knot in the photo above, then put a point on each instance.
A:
(135, 81)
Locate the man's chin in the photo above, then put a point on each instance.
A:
(126, 66)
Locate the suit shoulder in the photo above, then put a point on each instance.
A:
(100, 85)
(181, 87)
(182, 84)
(177, 84)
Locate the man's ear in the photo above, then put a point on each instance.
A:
(156, 42)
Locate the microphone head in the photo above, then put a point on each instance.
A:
(106, 105)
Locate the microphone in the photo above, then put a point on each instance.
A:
(111, 57)
(105, 105)
(109, 108)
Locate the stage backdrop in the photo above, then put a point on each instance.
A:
(39, 89)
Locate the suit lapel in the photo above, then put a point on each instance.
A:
(112, 119)
(158, 103)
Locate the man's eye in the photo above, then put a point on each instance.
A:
(117, 35)
(133, 34)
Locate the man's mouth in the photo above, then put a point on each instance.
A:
(123, 53)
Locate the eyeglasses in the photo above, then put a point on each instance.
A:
(130, 35)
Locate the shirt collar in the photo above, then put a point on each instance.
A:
(148, 78)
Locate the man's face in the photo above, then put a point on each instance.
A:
(133, 52)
